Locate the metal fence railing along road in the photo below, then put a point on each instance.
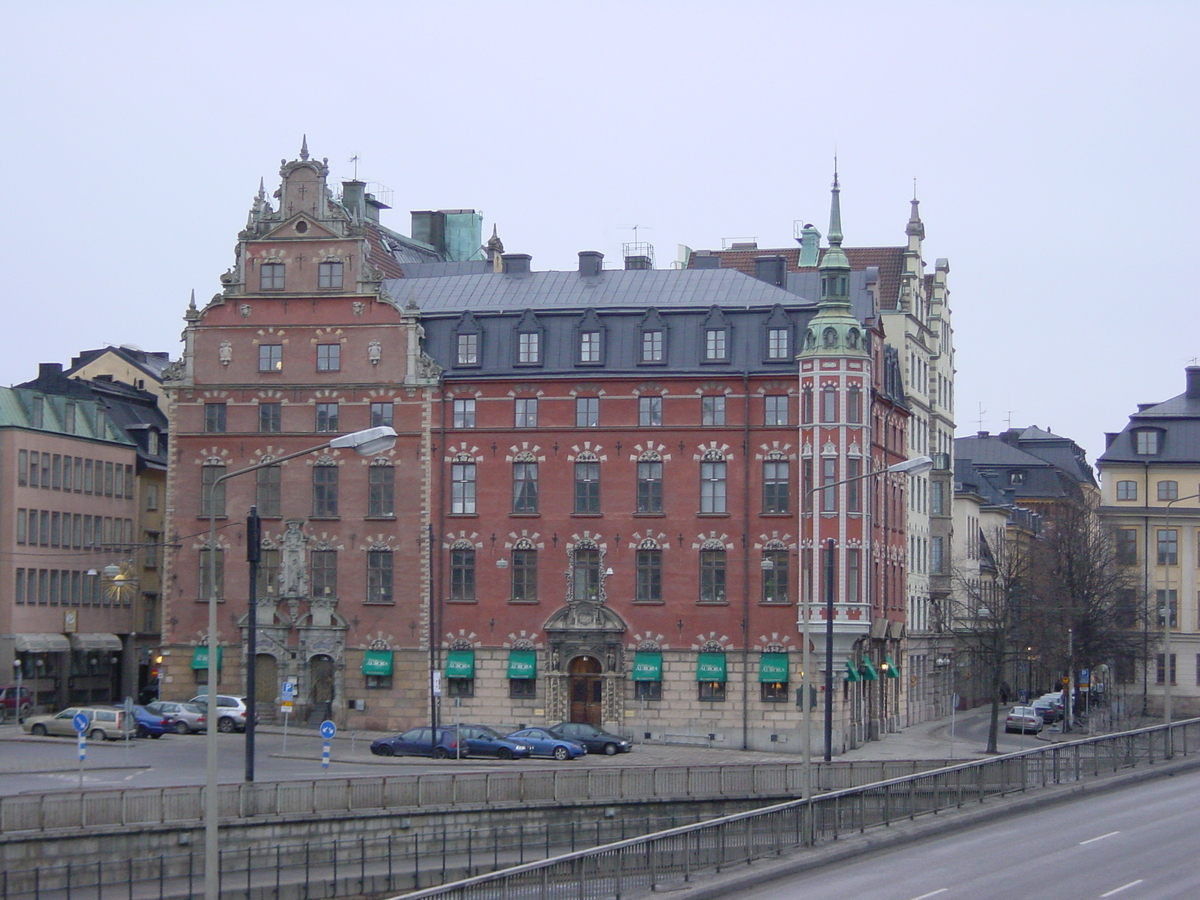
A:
(674, 856)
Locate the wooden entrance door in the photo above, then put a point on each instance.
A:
(266, 684)
(320, 669)
(586, 689)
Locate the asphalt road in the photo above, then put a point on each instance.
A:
(1135, 843)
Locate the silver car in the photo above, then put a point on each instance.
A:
(188, 717)
(231, 711)
(103, 723)
(1023, 719)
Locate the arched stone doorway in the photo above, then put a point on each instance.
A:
(586, 690)
(320, 690)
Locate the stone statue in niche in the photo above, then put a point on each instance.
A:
(225, 353)
(374, 352)
(293, 570)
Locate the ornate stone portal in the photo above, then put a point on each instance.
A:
(585, 628)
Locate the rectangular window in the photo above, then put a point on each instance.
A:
(1127, 490)
(587, 412)
(69, 414)
(329, 357)
(271, 276)
(1168, 490)
(464, 413)
(712, 410)
(462, 488)
(1158, 678)
(325, 491)
(650, 411)
(68, 473)
(212, 572)
(1164, 600)
(829, 403)
(854, 405)
(1126, 539)
(462, 574)
(323, 581)
(382, 414)
(587, 488)
(712, 690)
(529, 348)
(806, 405)
(35, 470)
(56, 472)
(589, 346)
(214, 417)
(37, 412)
(327, 418)
(1146, 442)
(775, 576)
(586, 570)
(937, 498)
(212, 494)
(525, 487)
(379, 576)
(854, 576)
(21, 530)
(268, 572)
(712, 487)
(22, 468)
(79, 474)
(270, 357)
(524, 576)
(854, 488)
(712, 576)
(715, 344)
(777, 475)
(381, 491)
(525, 412)
(468, 349)
(647, 690)
(151, 497)
(775, 410)
(829, 477)
(937, 557)
(330, 274)
(270, 417)
(268, 493)
(650, 487)
(652, 346)
(460, 687)
(773, 691)
(778, 345)
(649, 576)
(1168, 547)
(522, 688)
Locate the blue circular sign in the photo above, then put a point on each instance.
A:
(328, 729)
(80, 722)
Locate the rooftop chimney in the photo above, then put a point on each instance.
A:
(591, 262)
(810, 246)
(1193, 382)
(49, 370)
(353, 194)
(516, 263)
(771, 269)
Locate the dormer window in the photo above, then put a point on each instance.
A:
(716, 344)
(329, 274)
(271, 276)
(468, 349)
(1146, 443)
(589, 347)
(1016, 478)
(529, 348)
(778, 343)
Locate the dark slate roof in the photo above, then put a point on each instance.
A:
(1178, 421)
(433, 269)
(997, 461)
(153, 363)
(391, 251)
(612, 289)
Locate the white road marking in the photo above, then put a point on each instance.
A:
(1122, 887)
(932, 894)
(1102, 837)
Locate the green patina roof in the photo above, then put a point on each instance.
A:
(91, 420)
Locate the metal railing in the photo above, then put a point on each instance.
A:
(674, 856)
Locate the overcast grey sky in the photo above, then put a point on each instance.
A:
(1054, 146)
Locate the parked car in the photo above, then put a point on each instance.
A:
(543, 743)
(104, 723)
(480, 740)
(1049, 709)
(231, 711)
(593, 738)
(188, 718)
(417, 742)
(10, 707)
(1023, 719)
(151, 725)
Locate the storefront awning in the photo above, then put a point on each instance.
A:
(868, 670)
(41, 643)
(522, 664)
(851, 671)
(892, 670)
(773, 668)
(96, 641)
(200, 657)
(460, 664)
(647, 666)
(710, 667)
(377, 662)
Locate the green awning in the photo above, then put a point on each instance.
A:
(522, 664)
(200, 657)
(377, 662)
(710, 667)
(460, 664)
(851, 671)
(868, 670)
(647, 666)
(893, 670)
(773, 668)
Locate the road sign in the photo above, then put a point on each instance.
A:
(328, 729)
(289, 690)
(437, 684)
(80, 722)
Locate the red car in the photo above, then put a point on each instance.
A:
(10, 709)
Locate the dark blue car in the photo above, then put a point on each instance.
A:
(546, 744)
(418, 742)
(149, 724)
(480, 740)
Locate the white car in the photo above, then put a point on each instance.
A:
(104, 723)
(1023, 719)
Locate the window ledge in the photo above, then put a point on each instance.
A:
(776, 515)
(462, 515)
(513, 602)
(581, 515)
(650, 515)
(387, 518)
(713, 515)
(524, 515)
(472, 601)
(649, 602)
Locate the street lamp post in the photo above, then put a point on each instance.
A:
(365, 443)
(915, 466)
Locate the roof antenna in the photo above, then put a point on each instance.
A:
(354, 159)
(981, 412)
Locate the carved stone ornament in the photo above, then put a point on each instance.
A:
(374, 352)
(245, 310)
(225, 353)
(293, 570)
